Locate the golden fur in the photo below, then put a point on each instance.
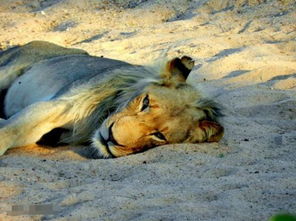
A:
(129, 110)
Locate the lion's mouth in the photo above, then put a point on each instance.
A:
(103, 142)
(106, 144)
(101, 147)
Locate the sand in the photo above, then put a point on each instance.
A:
(245, 53)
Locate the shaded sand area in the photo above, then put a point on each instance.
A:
(245, 53)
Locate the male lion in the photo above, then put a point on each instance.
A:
(53, 95)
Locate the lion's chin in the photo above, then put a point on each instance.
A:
(101, 149)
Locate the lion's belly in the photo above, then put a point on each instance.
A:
(45, 79)
(26, 90)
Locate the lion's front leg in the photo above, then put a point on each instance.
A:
(29, 125)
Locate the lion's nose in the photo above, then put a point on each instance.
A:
(111, 137)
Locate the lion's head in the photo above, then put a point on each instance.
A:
(166, 111)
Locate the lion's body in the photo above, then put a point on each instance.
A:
(79, 98)
(49, 75)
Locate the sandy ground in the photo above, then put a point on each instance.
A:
(245, 52)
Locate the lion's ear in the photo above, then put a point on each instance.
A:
(178, 69)
(211, 131)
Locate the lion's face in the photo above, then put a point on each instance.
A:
(160, 115)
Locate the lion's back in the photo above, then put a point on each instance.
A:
(47, 78)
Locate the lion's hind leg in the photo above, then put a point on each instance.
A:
(14, 61)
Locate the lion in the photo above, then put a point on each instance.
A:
(53, 96)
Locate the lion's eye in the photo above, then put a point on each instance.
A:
(159, 135)
(145, 103)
